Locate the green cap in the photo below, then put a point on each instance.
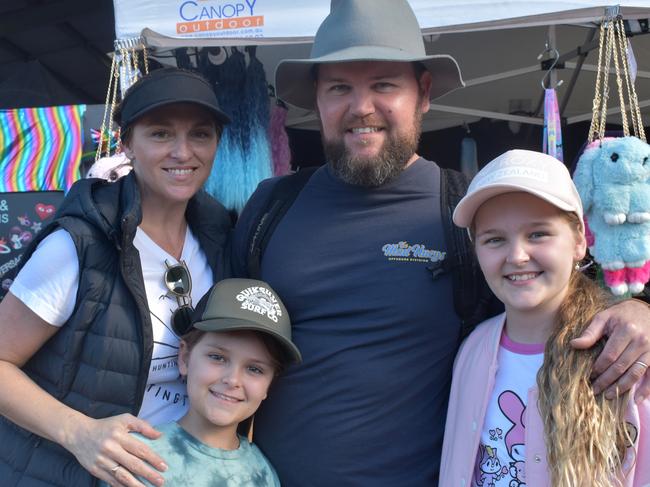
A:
(246, 304)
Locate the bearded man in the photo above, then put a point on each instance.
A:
(351, 261)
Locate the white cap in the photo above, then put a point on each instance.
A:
(520, 171)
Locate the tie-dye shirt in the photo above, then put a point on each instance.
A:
(199, 465)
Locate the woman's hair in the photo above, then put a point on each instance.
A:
(279, 358)
(586, 434)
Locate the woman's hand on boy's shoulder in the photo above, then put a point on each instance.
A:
(107, 449)
(625, 358)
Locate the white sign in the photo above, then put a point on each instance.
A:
(292, 20)
(219, 18)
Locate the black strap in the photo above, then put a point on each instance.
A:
(282, 196)
(472, 297)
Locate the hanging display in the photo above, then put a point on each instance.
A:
(244, 155)
(40, 148)
(22, 216)
(613, 175)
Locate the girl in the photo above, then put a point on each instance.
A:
(522, 410)
(240, 341)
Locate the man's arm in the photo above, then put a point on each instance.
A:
(625, 358)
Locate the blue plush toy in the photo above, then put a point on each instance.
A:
(613, 179)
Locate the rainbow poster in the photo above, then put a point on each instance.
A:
(40, 148)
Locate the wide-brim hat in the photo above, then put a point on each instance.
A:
(365, 30)
(163, 87)
(246, 304)
(520, 171)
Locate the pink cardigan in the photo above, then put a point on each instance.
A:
(473, 380)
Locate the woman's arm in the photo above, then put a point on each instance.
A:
(98, 444)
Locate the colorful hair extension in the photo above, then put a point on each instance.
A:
(280, 151)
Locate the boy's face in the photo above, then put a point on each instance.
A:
(228, 376)
(527, 249)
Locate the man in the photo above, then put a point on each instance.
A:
(350, 259)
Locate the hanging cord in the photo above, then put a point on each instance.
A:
(605, 93)
(613, 43)
(619, 79)
(626, 88)
(134, 55)
(635, 110)
(594, 128)
(108, 109)
(145, 58)
(125, 63)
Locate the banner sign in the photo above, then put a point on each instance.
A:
(217, 18)
(287, 20)
(22, 216)
(40, 148)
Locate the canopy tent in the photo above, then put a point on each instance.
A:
(496, 43)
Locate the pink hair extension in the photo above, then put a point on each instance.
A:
(280, 151)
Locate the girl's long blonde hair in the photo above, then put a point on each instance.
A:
(586, 434)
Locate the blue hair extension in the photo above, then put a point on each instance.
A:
(256, 100)
(227, 177)
(255, 143)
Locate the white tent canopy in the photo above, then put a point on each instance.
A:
(495, 42)
(283, 21)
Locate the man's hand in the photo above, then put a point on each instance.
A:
(624, 360)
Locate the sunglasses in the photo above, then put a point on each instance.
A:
(179, 283)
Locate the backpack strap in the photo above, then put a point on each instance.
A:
(472, 296)
(282, 196)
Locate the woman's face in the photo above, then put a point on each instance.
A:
(172, 149)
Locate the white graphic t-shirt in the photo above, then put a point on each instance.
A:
(165, 398)
(501, 457)
(53, 299)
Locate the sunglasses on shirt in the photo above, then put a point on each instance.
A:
(179, 282)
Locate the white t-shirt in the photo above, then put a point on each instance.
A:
(501, 457)
(53, 299)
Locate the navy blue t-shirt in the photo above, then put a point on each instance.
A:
(377, 334)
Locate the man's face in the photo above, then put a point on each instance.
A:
(370, 116)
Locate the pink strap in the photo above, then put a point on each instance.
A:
(552, 143)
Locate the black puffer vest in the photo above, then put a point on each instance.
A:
(98, 362)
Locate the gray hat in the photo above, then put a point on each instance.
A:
(365, 30)
(246, 304)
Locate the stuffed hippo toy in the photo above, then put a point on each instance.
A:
(613, 179)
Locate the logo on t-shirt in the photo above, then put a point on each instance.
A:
(405, 252)
(261, 301)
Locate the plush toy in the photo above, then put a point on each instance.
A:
(110, 168)
(613, 179)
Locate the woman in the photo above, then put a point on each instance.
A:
(87, 348)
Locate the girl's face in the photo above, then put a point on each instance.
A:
(527, 249)
(228, 376)
(173, 149)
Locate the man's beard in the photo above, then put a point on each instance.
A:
(371, 172)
